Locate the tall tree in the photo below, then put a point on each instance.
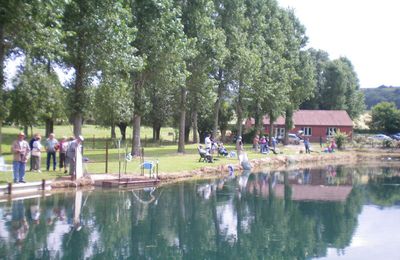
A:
(241, 63)
(96, 32)
(299, 76)
(36, 96)
(208, 52)
(162, 44)
(319, 60)
(113, 103)
(270, 91)
(26, 26)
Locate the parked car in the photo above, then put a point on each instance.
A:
(396, 137)
(293, 139)
(379, 137)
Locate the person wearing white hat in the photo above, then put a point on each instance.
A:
(21, 153)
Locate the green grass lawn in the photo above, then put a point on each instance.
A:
(166, 154)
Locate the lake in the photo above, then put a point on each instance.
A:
(330, 212)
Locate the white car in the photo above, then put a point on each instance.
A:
(293, 139)
(380, 137)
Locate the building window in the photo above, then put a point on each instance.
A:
(306, 131)
(330, 131)
(279, 131)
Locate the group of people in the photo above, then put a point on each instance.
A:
(262, 144)
(23, 151)
(211, 146)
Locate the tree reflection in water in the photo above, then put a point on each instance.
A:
(284, 215)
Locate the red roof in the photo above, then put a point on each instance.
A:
(321, 193)
(315, 118)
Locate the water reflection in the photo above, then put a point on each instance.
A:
(286, 215)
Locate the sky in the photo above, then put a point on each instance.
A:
(364, 31)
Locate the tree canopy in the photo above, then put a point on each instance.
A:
(185, 64)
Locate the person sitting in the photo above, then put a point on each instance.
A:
(205, 156)
(222, 150)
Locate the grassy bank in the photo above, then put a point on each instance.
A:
(94, 149)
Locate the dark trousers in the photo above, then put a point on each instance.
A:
(62, 161)
(49, 155)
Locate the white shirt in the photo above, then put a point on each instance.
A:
(207, 142)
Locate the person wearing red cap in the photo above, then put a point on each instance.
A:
(21, 153)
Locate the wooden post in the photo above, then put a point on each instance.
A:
(9, 188)
(157, 169)
(142, 161)
(106, 170)
(43, 184)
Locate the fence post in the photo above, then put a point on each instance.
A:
(9, 188)
(106, 170)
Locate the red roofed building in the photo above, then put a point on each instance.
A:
(313, 123)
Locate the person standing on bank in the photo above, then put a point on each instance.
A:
(63, 151)
(239, 146)
(307, 145)
(208, 143)
(71, 154)
(34, 137)
(21, 153)
(36, 154)
(51, 148)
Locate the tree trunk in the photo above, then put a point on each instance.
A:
(288, 122)
(156, 132)
(78, 99)
(182, 120)
(122, 129)
(78, 117)
(239, 113)
(258, 118)
(2, 81)
(2, 59)
(136, 135)
(187, 132)
(49, 126)
(217, 105)
(223, 135)
(113, 134)
(1, 136)
(195, 128)
(26, 130)
(271, 127)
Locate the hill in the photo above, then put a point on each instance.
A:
(374, 96)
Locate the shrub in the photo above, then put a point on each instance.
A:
(387, 143)
(340, 139)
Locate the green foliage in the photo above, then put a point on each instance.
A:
(97, 35)
(340, 139)
(112, 101)
(374, 96)
(385, 117)
(169, 61)
(337, 86)
(37, 96)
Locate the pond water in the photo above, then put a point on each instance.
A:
(333, 212)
